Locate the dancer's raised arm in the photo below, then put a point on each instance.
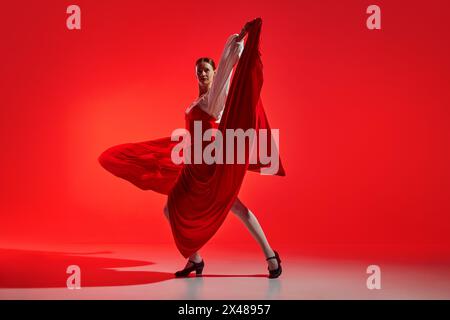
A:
(217, 94)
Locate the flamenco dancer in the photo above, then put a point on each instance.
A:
(199, 196)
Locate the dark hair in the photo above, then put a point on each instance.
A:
(208, 60)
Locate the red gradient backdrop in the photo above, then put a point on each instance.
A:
(363, 118)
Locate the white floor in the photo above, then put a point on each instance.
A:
(232, 275)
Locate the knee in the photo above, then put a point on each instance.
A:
(240, 211)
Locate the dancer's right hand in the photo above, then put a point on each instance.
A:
(246, 28)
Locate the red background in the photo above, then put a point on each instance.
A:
(363, 118)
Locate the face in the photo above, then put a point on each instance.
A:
(205, 73)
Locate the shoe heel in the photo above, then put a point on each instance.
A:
(198, 271)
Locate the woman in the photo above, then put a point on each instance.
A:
(200, 195)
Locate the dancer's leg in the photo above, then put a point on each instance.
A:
(253, 225)
(195, 256)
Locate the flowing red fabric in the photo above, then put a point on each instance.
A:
(200, 195)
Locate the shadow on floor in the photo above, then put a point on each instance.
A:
(45, 269)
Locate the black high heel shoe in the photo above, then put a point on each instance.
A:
(197, 266)
(276, 272)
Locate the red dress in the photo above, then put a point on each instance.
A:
(199, 195)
